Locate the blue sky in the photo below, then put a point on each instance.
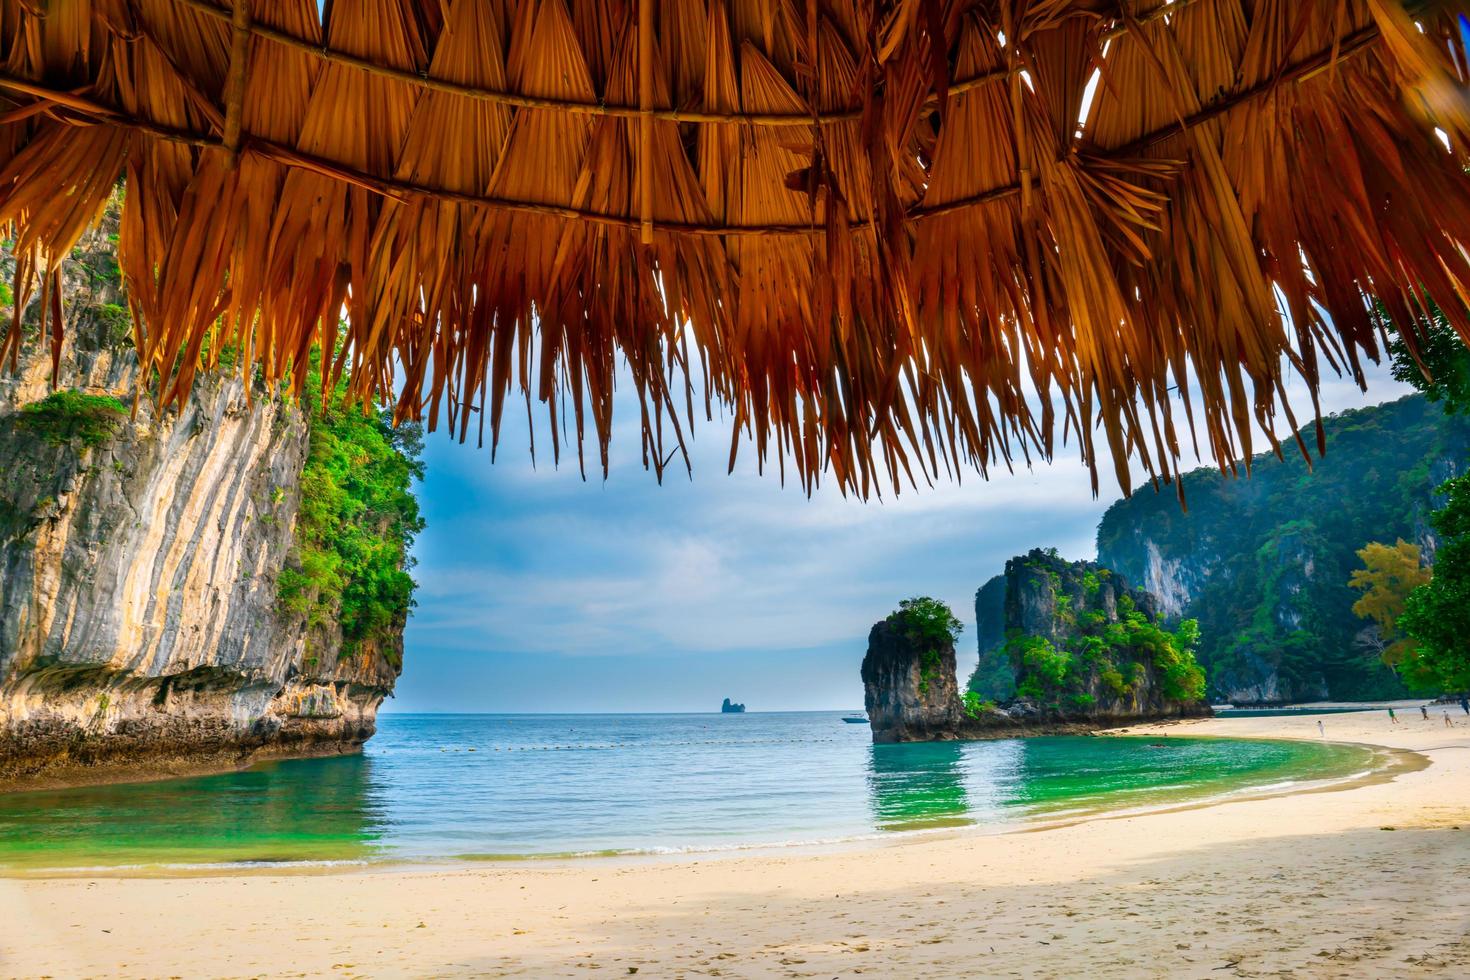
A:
(542, 592)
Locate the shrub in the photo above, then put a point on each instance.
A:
(1040, 660)
(1029, 687)
(1113, 680)
(976, 706)
(1091, 583)
(104, 326)
(930, 620)
(115, 316)
(1181, 678)
(66, 417)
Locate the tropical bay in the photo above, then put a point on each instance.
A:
(1360, 879)
(457, 788)
(731, 489)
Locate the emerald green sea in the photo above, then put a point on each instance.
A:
(456, 787)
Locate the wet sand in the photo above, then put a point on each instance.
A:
(1370, 878)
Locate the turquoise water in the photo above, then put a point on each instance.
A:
(435, 787)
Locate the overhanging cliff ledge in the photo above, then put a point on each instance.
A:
(1084, 651)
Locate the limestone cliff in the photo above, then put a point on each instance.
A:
(1087, 648)
(992, 679)
(1263, 563)
(141, 630)
(909, 686)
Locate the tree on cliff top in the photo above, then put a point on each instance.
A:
(931, 620)
(930, 624)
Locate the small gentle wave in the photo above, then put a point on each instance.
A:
(436, 788)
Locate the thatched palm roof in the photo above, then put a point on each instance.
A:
(883, 234)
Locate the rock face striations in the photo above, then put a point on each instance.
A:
(141, 627)
(1084, 651)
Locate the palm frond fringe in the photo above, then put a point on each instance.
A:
(890, 239)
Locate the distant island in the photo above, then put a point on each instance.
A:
(729, 707)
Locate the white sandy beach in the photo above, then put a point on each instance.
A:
(1370, 880)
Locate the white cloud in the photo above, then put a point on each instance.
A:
(523, 561)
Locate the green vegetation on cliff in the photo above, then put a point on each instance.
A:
(73, 418)
(1263, 563)
(1100, 652)
(358, 518)
(349, 565)
(976, 706)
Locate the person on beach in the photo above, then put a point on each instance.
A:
(1465, 704)
(1447, 722)
(1393, 719)
(1424, 710)
(1321, 728)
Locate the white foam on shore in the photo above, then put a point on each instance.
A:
(186, 867)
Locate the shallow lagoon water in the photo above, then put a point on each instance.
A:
(446, 787)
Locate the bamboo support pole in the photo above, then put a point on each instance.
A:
(645, 121)
(1019, 135)
(235, 80)
(519, 101)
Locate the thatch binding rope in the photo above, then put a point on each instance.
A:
(1307, 68)
(825, 211)
(520, 101)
